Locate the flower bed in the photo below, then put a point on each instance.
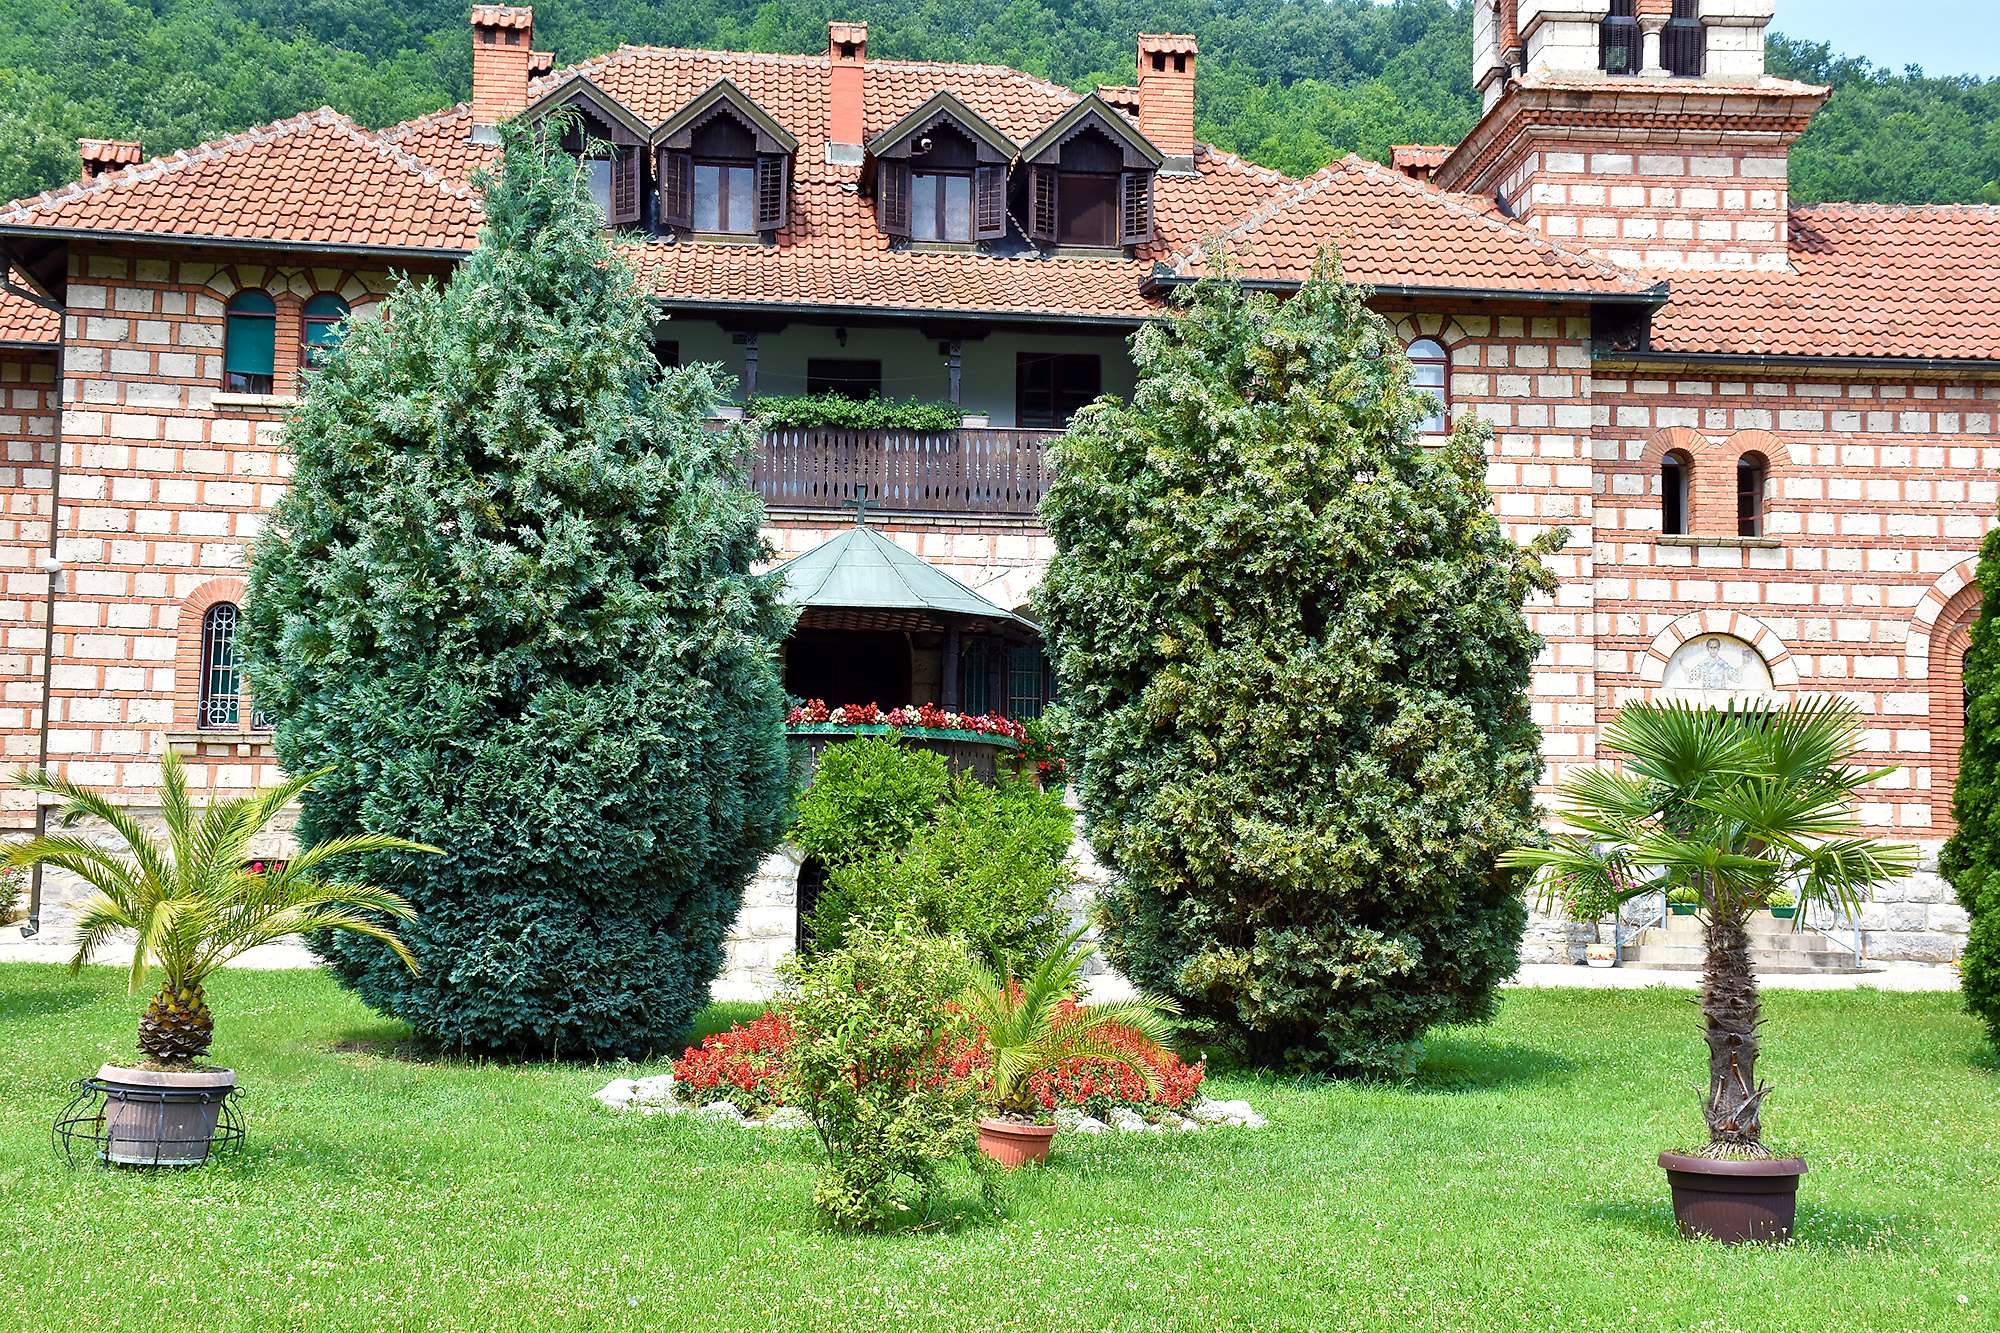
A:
(916, 720)
(745, 1067)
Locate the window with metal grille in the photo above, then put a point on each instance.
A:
(1684, 42)
(975, 677)
(1618, 40)
(249, 342)
(1027, 682)
(1430, 372)
(1751, 471)
(221, 700)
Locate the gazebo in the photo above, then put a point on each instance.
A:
(878, 624)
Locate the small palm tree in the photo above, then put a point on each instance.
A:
(192, 898)
(1736, 805)
(1030, 1025)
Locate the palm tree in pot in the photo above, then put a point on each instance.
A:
(1032, 1024)
(193, 899)
(1734, 805)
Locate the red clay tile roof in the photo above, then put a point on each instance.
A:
(22, 321)
(315, 179)
(1869, 280)
(1392, 231)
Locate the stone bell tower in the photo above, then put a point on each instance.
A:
(1646, 130)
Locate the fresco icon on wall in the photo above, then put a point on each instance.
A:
(1717, 669)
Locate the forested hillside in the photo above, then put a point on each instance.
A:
(1290, 83)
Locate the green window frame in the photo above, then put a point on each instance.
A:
(249, 342)
(323, 323)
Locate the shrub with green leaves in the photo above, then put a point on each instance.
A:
(508, 605)
(990, 868)
(1294, 673)
(901, 838)
(806, 411)
(880, 1061)
(1971, 860)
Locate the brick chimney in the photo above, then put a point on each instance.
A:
(846, 53)
(102, 155)
(1166, 97)
(502, 57)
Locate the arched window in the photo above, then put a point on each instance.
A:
(221, 699)
(1430, 372)
(249, 342)
(322, 326)
(1674, 471)
(1684, 42)
(1618, 40)
(1752, 470)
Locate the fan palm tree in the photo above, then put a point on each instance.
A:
(194, 900)
(1734, 804)
(1030, 1027)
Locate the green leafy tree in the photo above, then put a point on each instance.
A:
(194, 899)
(1743, 807)
(1971, 860)
(507, 605)
(1294, 673)
(875, 1035)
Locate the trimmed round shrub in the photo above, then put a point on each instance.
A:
(507, 605)
(1294, 672)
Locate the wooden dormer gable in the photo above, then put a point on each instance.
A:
(723, 120)
(1096, 148)
(942, 135)
(603, 118)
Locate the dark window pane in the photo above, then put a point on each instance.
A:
(1088, 210)
(1673, 496)
(1050, 387)
(1750, 495)
(850, 379)
(975, 677)
(221, 680)
(1027, 682)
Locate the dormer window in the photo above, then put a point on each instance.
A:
(940, 175)
(1090, 180)
(609, 143)
(725, 166)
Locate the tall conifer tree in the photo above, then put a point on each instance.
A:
(1294, 674)
(508, 603)
(1971, 860)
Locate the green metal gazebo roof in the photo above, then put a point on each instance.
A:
(861, 570)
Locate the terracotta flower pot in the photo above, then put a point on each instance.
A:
(157, 1117)
(1734, 1202)
(1012, 1143)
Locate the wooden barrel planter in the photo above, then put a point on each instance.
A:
(980, 754)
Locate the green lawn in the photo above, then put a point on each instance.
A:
(1511, 1187)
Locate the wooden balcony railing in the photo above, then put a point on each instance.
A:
(975, 470)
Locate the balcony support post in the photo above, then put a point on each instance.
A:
(953, 349)
(951, 651)
(749, 342)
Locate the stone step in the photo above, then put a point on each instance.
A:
(1783, 954)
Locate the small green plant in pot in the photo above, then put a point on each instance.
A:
(192, 901)
(1784, 904)
(1683, 901)
(1033, 1025)
(1737, 805)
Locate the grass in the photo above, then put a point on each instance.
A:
(1510, 1187)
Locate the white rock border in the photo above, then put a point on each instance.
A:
(655, 1095)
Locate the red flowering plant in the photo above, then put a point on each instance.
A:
(1144, 1075)
(743, 1066)
(929, 717)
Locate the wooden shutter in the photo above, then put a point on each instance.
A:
(1042, 203)
(772, 193)
(1135, 208)
(892, 198)
(625, 187)
(676, 189)
(989, 203)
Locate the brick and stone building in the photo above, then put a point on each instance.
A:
(1770, 430)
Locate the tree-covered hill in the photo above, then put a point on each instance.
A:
(1290, 83)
